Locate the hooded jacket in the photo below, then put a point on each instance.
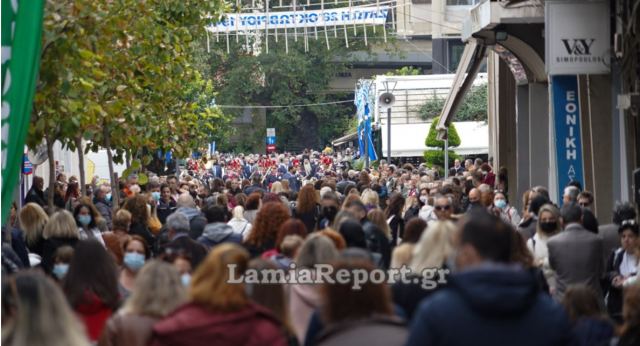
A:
(197, 221)
(193, 324)
(490, 305)
(218, 233)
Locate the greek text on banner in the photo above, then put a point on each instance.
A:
(300, 19)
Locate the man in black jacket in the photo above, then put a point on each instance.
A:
(36, 192)
(377, 242)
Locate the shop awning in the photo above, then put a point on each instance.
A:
(344, 139)
(471, 60)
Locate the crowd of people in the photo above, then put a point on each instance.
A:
(156, 268)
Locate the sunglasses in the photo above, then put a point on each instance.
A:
(442, 207)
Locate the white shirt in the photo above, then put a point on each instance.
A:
(628, 265)
(93, 233)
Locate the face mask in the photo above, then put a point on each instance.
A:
(501, 203)
(84, 219)
(60, 270)
(108, 197)
(424, 199)
(330, 212)
(133, 260)
(186, 279)
(548, 226)
(155, 195)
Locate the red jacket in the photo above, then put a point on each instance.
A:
(195, 325)
(94, 313)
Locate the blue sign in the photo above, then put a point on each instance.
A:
(271, 140)
(566, 114)
(27, 167)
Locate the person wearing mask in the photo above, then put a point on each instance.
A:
(61, 260)
(166, 205)
(219, 311)
(136, 253)
(622, 264)
(474, 200)
(575, 254)
(516, 312)
(179, 241)
(528, 226)
(87, 223)
(158, 291)
(91, 286)
(103, 204)
(548, 225)
(35, 312)
(507, 213)
(330, 205)
(217, 231)
(375, 239)
(61, 230)
(115, 239)
(36, 193)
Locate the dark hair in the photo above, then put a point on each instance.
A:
(490, 236)
(519, 251)
(394, 206)
(581, 301)
(164, 186)
(215, 213)
(356, 203)
(353, 234)
(537, 202)
(589, 221)
(586, 194)
(571, 212)
(631, 225)
(575, 183)
(147, 251)
(623, 211)
(152, 185)
(253, 201)
(413, 230)
(343, 303)
(91, 270)
(76, 211)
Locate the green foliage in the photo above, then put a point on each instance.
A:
(405, 71)
(123, 70)
(473, 107)
(435, 158)
(433, 141)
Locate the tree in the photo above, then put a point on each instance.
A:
(119, 75)
(436, 157)
(473, 107)
(405, 71)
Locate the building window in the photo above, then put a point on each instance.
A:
(462, 2)
(455, 54)
(421, 2)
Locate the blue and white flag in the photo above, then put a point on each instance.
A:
(363, 102)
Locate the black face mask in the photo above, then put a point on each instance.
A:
(330, 212)
(202, 196)
(548, 226)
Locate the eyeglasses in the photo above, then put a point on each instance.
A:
(442, 207)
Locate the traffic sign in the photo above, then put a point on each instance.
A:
(271, 140)
(271, 132)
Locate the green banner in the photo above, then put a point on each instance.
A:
(21, 40)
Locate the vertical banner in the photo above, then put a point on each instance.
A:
(21, 36)
(568, 140)
(364, 98)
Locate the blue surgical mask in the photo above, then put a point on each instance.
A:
(186, 279)
(501, 203)
(133, 260)
(155, 195)
(108, 197)
(84, 219)
(60, 270)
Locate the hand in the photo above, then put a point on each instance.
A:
(617, 281)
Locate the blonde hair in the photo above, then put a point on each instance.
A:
(62, 225)
(159, 291)
(435, 244)
(376, 216)
(209, 284)
(276, 187)
(238, 212)
(41, 311)
(122, 219)
(370, 198)
(32, 220)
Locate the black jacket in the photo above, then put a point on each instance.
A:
(377, 242)
(165, 209)
(35, 196)
(143, 231)
(49, 250)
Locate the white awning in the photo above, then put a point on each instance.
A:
(471, 60)
(344, 139)
(407, 140)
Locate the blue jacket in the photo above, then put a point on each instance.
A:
(490, 305)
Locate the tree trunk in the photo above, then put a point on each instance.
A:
(127, 158)
(52, 175)
(115, 196)
(83, 185)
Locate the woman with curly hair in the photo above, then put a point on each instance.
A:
(137, 206)
(307, 208)
(265, 228)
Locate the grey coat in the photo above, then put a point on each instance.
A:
(576, 256)
(610, 240)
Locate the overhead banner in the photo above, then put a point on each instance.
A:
(577, 37)
(568, 139)
(372, 15)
